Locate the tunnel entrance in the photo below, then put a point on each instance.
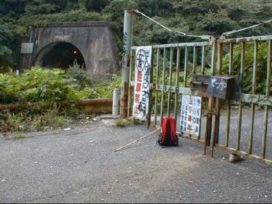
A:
(60, 55)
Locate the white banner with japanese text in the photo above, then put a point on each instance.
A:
(190, 114)
(142, 82)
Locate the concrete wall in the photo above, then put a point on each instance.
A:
(95, 40)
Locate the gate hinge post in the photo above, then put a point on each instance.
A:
(127, 41)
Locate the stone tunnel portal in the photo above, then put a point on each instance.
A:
(60, 55)
(91, 44)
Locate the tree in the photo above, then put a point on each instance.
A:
(190, 16)
(156, 8)
(5, 51)
(116, 8)
(215, 23)
(94, 5)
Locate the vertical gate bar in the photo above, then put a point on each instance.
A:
(194, 59)
(203, 59)
(228, 103)
(186, 57)
(200, 122)
(220, 56)
(213, 60)
(163, 82)
(253, 92)
(242, 65)
(185, 66)
(170, 82)
(216, 122)
(156, 85)
(177, 83)
(129, 85)
(148, 122)
(202, 72)
(210, 103)
(217, 100)
(267, 94)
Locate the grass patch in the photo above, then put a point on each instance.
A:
(38, 119)
(19, 136)
(121, 122)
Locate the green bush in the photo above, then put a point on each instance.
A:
(53, 85)
(35, 85)
(44, 85)
(50, 86)
(105, 90)
(9, 86)
(82, 78)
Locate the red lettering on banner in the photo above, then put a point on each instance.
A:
(138, 87)
(137, 98)
(139, 76)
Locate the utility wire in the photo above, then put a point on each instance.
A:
(204, 37)
(246, 28)
(151, 19)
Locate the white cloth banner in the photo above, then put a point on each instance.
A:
(142, 82)
(190, 114)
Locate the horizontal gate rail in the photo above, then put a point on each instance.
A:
(177, 45)
(245, 39)
(173, 67)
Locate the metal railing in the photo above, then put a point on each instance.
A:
(249, 58)
(255, 60)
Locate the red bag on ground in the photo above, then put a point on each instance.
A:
(168, 136)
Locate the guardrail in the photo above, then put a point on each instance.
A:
(90, 105)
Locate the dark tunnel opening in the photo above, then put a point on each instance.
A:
(60, 55)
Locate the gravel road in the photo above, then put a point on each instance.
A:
(80, 165)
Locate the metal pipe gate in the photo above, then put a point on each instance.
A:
(172, 68)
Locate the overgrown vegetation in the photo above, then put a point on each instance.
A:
(52, 85)
(190, 16)
(38, 119)
(48, 88)
(36, 85)
(261, 68)
(121, 122)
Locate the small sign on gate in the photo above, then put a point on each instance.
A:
(221, 87)
(190, 115)
(142, 82)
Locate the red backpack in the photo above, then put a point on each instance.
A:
(168, 136)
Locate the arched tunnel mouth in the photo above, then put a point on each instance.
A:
(60, 55)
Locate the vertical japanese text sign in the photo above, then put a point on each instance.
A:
(142, 82)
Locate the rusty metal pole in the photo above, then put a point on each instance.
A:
(216, 124)
(209, 122)
(217, 100)
(127, 41)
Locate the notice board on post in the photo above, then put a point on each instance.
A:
(142, 82)
(190, 115)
